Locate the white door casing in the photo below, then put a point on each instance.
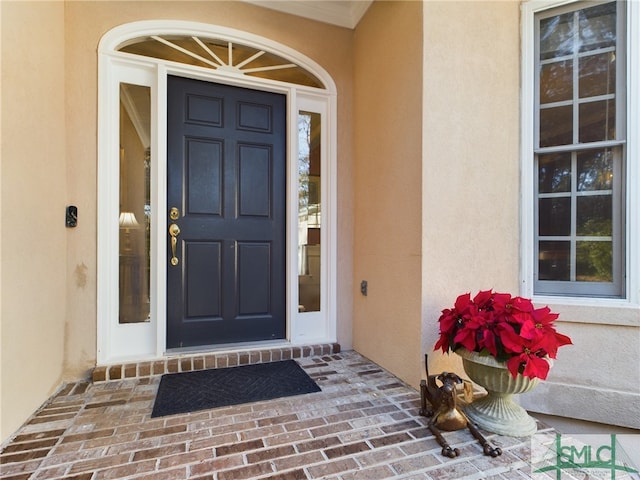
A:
(136, 341)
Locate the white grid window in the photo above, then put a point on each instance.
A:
(579, 150)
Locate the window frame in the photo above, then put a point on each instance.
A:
(629, 209)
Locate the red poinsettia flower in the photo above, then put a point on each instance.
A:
(534, 366)
(520, 304)
(467, 335)
(450, 320)
(483, 300)
(502, 304)
(539, 327)
(509, 328)
(489, 341)
(528, 354)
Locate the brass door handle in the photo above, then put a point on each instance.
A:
(174, 231)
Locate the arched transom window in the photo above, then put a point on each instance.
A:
(222, 55)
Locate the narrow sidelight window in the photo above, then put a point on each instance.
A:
(135, 203)
(309, 212)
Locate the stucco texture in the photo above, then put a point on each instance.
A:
(428, 174)
(471, 212)
(388, 165)
(33, 176)
(471, 159)
(50, 159)
(88, 21)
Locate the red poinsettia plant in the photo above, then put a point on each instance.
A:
(508, 328)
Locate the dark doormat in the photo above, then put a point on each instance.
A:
(204, 389)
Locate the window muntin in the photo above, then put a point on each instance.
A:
(579, 151)
(222, 54)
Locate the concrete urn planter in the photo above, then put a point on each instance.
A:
(497, 412)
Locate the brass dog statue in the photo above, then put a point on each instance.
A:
(446, 415)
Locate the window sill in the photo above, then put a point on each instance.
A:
(601, 311)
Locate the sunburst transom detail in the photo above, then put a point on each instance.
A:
(222, 55)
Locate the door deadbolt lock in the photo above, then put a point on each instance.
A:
(174, 213)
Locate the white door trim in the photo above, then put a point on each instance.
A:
(126, 342)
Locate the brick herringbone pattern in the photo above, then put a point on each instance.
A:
(364, 425)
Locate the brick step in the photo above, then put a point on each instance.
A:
(188, 362)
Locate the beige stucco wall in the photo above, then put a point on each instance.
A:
(470, 203)
(598, 377)
(86, 22)
(388, 165)
(33, 175)
(428, 188)
(49, 287)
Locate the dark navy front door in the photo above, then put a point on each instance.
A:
(226, 184)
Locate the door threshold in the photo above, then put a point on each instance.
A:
(231, 347)
(203, 359)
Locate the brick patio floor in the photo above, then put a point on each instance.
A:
(363, 425)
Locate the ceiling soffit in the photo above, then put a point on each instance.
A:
(343, 13)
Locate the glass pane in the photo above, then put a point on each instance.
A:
(595, 170)
(149, 47)
(556, 126)
(555, 216)
(594, 216)
(594, 261)
(597, 75)
(135, 205)
(554, 173)
(556, 82)
(556, 36)
(309, 211)
(553, 261)
(216, 52)
(597, 27)
(597, 121)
